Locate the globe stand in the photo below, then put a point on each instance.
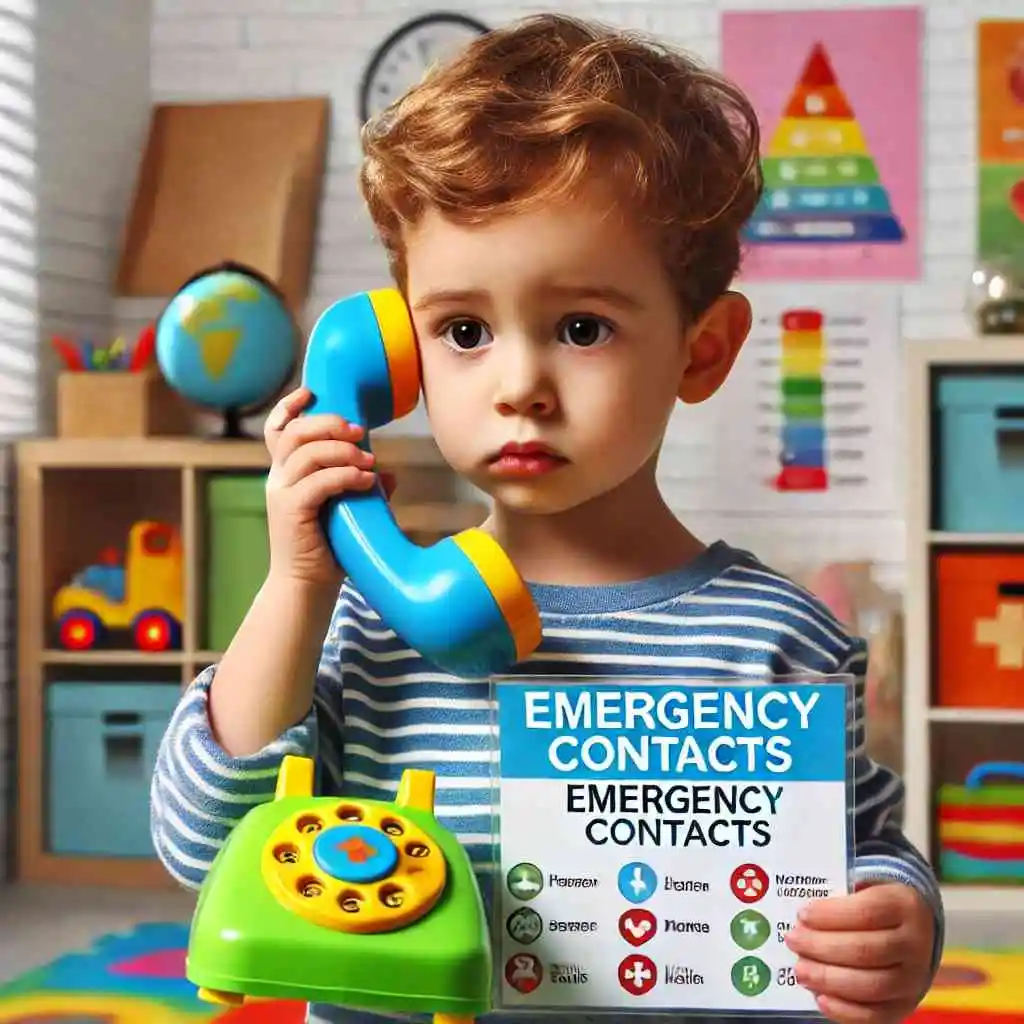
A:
(233, 430)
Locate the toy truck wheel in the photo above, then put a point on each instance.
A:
(79, 630)
(156, 630)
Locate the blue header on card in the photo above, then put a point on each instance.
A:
(730, 733)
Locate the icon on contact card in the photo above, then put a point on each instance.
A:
(525, 881)
(750, 930)
(749, 882)
(637, 974)
(524, 925)
(750, 976)
(638, 926)
(637, 882)
(524, 972)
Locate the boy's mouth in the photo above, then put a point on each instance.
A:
(525, 460)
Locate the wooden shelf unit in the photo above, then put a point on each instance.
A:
(75, 497)
(932, 734)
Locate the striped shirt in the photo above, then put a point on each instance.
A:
(379, 708)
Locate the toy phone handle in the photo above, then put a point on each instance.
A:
(980, 773)
(460, 602)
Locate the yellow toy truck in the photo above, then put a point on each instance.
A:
(144, 595)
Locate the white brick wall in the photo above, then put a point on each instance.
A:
(93, 105)
(6, 673)
(76, 123)
(239, 48)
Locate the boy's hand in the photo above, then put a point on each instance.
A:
(868, 956)
(313, 458)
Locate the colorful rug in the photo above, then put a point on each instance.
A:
(975, 987)
(138, 977)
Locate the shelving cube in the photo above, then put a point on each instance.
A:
(77, 497)
(942, 743)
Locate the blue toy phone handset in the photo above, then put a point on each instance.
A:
(460, 603)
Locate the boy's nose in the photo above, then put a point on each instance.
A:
(524, 385)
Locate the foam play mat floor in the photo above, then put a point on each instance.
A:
(138, 977)
(975, 987)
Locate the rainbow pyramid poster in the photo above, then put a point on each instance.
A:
(837, 97)
(821, 184)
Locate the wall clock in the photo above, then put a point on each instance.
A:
(403, 58)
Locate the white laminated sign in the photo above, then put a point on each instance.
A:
(658, 839)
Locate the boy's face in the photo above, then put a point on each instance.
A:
(556, 330)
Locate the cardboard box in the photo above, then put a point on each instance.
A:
(119, 404)
(227, 181)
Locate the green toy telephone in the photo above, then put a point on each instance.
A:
(357, 903)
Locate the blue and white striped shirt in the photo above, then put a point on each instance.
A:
(379, 708)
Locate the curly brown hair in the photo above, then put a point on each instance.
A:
(533, 111)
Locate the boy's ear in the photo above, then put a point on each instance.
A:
(714, 342)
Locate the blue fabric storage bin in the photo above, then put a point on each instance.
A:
(980, 453)
(102, 740)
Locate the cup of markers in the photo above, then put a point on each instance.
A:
(85, 356)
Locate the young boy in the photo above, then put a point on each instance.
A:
(561, 207)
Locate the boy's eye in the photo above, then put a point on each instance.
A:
(466, 335)
(584, 331)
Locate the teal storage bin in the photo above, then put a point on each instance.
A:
(102, 740)
(980, 457)
(237, 552)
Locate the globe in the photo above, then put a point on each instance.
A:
(227, 342)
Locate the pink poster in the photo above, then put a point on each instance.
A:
(838, 95)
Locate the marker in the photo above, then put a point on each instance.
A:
(145, 343)
(69, 354)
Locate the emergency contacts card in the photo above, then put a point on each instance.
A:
(658, 839)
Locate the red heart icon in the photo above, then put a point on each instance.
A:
(1017, 199)
(638, 926)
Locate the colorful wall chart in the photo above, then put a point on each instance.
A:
(814, 400)
(838, 97)
(803, 465)
(1001, 141)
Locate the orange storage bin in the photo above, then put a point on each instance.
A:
(980, 630)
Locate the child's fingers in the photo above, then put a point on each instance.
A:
(284, 412)
(840, 1011)
(285, 428)
(854, 984)
(877, 907)
(850, 949)
(315, 489)
(321, 454)
(306, 429)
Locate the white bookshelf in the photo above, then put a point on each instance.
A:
(923, 721)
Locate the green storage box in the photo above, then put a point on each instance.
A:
(237, 551)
